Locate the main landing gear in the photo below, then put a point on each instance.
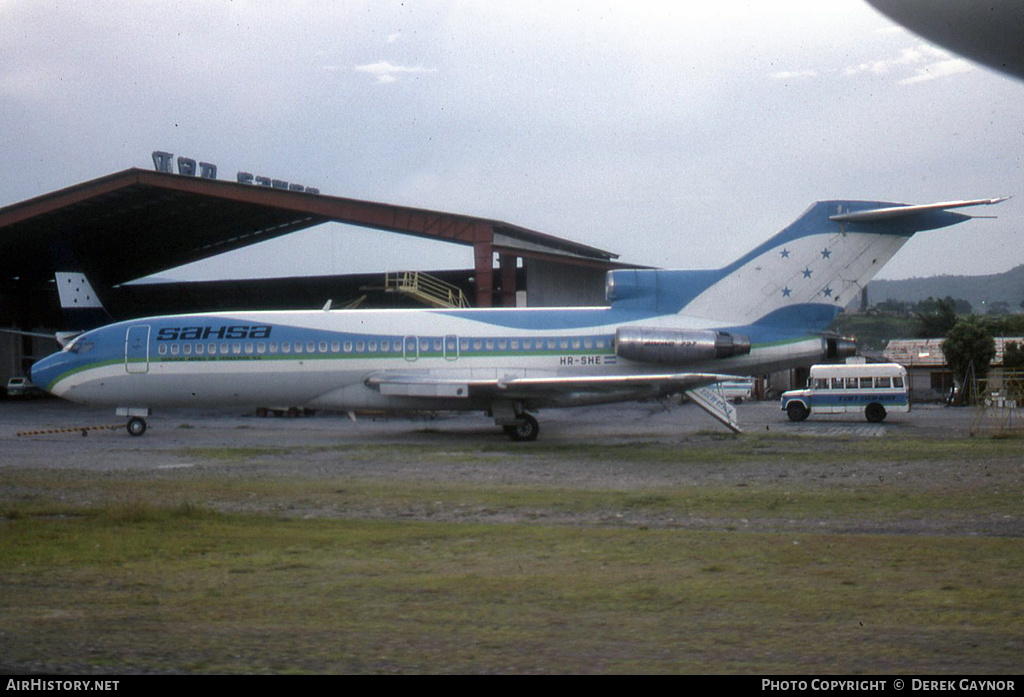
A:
(512, 417)
(527, 429)
(136, 426)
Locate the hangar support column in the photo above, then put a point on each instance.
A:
(483, 258)
(507, 279)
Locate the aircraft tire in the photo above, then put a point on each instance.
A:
(875, 413)
(136, 426)
(796, 411)
(528, 430)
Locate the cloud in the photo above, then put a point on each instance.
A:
(926, 62)
(940, 69)
(386, 72)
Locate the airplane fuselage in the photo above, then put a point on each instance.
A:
(323, 359)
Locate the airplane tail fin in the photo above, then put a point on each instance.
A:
(801, 277)
(81, 306)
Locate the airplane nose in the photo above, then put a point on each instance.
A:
(44, 371)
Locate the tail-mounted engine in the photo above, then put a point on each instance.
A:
(836, 348)
(673, 346)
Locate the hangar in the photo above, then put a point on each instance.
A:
(135, 223)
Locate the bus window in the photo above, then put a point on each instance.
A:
(897, 381)
(820, 383)
(851, 383)
(865, 383)
(837, 383)
(882, 383)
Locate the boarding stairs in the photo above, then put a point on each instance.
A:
(425, 288)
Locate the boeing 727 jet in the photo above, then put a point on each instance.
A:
(662, 332)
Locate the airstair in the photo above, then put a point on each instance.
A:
(425, 288)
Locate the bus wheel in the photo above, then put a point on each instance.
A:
(797, 411)
(875, 413)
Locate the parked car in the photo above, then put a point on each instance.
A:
(22, 387)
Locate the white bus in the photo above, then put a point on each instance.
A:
(873, 388)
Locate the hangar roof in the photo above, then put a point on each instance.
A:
(137, 222)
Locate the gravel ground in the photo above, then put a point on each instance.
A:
(469, 449)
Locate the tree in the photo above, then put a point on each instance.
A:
(935, 318)
(1013, 356)
(968, 349)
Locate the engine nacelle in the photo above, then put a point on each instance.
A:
(674, 346)
(834, 348)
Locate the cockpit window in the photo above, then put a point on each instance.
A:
(79, 346)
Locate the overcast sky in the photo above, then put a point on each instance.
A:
(675, 134)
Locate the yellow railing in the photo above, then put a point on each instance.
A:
(426, 288)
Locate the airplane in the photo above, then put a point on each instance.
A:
(662, 332)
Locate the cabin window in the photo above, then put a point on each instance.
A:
(514, 344)
(286, 347)
(502, 344)
(552, 344)
(588, 343)
(200, 349)
(162, 350)
(236, 348)
(310, 347)
(211, 349)
(261, 347)
(273, 347)
(477, 345)
(385, 346)
(323, 347)
(248, 347)
(464, 345)
(371, 346)
(575, 343)
(360, 347)
(186, 349)
(174, 349)
(437, 345)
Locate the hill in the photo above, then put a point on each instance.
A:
(980, 291)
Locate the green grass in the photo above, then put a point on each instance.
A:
(230, 566)
(191, 590)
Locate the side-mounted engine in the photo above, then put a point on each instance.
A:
(674, 346)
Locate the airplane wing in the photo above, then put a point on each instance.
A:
(698, 386)
(514, 386)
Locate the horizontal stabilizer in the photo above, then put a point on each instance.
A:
(877, 215)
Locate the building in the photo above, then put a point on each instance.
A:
(930, 378)
(136, 223)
